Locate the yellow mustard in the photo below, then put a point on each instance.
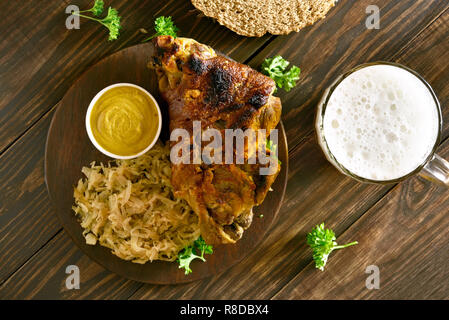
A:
(124, 120)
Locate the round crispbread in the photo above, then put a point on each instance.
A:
(254, 18)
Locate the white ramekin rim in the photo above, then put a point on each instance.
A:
(89, 128)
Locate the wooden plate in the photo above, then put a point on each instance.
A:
(68, 149)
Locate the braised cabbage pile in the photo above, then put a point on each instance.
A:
(129, 207)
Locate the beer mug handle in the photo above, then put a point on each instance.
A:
(436, 170)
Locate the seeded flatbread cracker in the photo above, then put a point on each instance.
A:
(254, 18)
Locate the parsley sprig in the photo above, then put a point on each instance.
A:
(164, 26)
(111, 21)
(195, 251)
(322, 241)
(276, 69)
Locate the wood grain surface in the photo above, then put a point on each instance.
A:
(401, 228)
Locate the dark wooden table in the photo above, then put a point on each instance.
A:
(402, 228)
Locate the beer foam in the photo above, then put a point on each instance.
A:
(381, 122)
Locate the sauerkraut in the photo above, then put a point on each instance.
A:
(129, 207)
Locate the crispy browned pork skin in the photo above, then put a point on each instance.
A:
(200, 85)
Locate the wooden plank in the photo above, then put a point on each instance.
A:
(40, 58)
(311, 176)
(337, 44)
(44, 276)
(404, 235)
(27, 220)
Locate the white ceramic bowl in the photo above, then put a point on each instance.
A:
(89, 129)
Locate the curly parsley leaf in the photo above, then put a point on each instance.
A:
(98, 7)
(276, 69)
(185, 257)
(164, 26)
(273, 149)
(322, 241)
(196, 251)
(111, 21)
(203, 247)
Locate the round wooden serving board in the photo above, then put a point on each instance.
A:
(68, 149)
